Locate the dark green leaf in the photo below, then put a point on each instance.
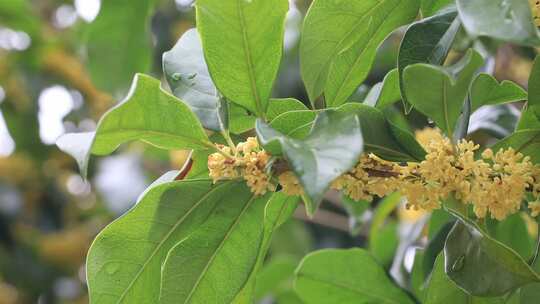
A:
(116, 55)
(331, 149)
(149, 114)
(427, 41)
(481, 265)
(189, 79)
(125, 260)
(441, 290)
(440, 93)
(485, 90)
(508, 20)
(243, 42)
(345, 276)
(214, 262)
(340, 39)
(382, 138)
(512, 231)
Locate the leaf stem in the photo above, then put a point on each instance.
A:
(229, 140)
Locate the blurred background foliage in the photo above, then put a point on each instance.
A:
(64, 62)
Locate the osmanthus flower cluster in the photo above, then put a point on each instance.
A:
(493, 182)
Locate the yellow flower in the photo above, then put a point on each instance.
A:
(290, 183)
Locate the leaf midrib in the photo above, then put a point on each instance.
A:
(220, 246)
(249, 60)
(165, 238)
(370, 40)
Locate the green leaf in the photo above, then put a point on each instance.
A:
(340, 39)
(512, 231)
(426, 41)
(508, 20)
(124, 262)
(278, 210)
(430, 7)
(385, 93)
(114, 56)
(243, 42)
(485, 90)
(383, 239)
(345, 276)
(242, 122)
(524, 141)
(331, 149)
(279, 106)
(439, 92)
(530, 115)
(214, 263)
(441, 290)
(149, 114)
(189, 79)
(295, 124)
(382, 138)
(481, 265)
(274, 275)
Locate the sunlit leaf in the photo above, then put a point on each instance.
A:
(124, 262)
(214, 262)
(242, 42)
(340, 39)
(149, 114)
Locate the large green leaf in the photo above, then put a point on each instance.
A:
(124, 262)
(340, 39)
(512, 231)
(331, 149)
(440, 92)
(524, 141)
(441, 290)
(214, 263)
(485, 90)
(189, 79)
(149, 114)
(345, 276)
(427, 41)
(430, 7)
(119, 43)
(508, 20)
(481, 265)
(279, 209)
(243, 42)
